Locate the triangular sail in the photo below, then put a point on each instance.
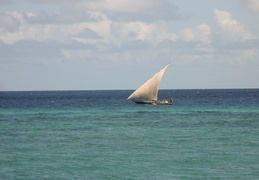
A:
(149, 89)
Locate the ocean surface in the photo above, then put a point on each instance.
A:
(99, 135)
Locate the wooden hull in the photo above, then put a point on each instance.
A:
(154, 102)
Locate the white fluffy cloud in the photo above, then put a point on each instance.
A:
(200, 33)
(232, 28)
(24, 30)
(105, 29)
(153, 33)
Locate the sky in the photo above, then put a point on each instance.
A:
(118, 44)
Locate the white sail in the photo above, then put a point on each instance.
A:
(149, 89)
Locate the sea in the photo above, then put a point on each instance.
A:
(100, 135)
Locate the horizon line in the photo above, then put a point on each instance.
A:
(127, 89)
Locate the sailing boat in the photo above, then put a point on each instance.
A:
(149, 90)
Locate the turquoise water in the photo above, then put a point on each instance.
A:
(205, 134)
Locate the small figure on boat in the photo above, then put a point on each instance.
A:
(164, 101)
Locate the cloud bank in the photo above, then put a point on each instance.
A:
(110, 33)
(93, 27)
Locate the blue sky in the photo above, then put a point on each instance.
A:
(115, 44)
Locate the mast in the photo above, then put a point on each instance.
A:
(149, 89)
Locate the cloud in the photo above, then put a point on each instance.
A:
(101, 28)
(17, 26)
(95, 35)
(120, 10)
(200, 33)
(133, 10)
(91, 22)
(233, 29)
(9, 23)
(234, 52)
(252, 5)
(153, 33)
(88, 34)
(119, 6)
(106, 5)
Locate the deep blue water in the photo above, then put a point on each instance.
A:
(205, 134)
